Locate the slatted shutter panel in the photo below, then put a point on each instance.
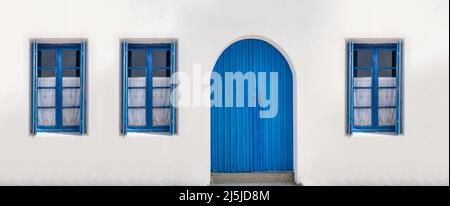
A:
(173, 52)
(34, 68)
(124, 86)
(350, 88)
(83, 88)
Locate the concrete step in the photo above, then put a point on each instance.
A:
(253, 179)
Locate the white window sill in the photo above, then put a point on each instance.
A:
(57, 134)
(148, 135)
(374, 135)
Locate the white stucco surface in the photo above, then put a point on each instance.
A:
(312, 35)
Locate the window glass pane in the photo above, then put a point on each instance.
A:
(386, 116)
(136, 117)
(70, 58)
(386, 73)
(161, 116)
(161, 97)
(46, 117)
(71, 116)
(161, 58)
(136, 58)
(362, 58)
(46, 58)
(71, 73)
(46, 97)
(387, 97)
(136, 73)
(71, 97)
(136, 97)
(386, 58)
(362, 98)
(46, 73)
(362, 73)
(362, 117)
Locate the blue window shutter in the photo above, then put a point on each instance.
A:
(83, 88)
(124, 86)
(34, 87)
(172, 129)
(398, 126)
(350, 88)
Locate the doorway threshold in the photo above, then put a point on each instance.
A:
(253, 179)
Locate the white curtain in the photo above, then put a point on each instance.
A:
(136, 98)
(362, 98)
(386, 97)
(70, 97)
(160, 97)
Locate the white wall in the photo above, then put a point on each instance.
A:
(311, 32)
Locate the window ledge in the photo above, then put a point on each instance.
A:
(373, 135)
(148, 134)
(56, 134)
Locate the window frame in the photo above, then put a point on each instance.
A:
(59, 67)
(374, 127)
(149, 47)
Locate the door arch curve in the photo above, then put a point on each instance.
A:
(242, 141)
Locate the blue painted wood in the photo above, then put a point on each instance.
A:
(172, 128)
(82, 87)
(58, 93)
(59, 48)
(350, 86)
(374, 127)
(374, 91)
(149, 92)
(149, 49)
(398, 129)
(34, 105)
(241, 141)
(124, 87)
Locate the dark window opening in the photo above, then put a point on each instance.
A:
(386, 73)
(363, 58)
(136, 58)
(362, 73)
(46, 58)
(46, 73)
(71, 73)
(136, 73)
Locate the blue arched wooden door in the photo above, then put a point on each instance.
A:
(241, 141)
